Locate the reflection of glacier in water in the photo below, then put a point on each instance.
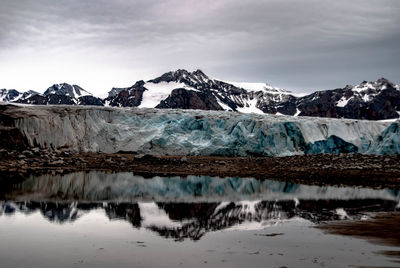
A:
(126, 187)
(189, 207)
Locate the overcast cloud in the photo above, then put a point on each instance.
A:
(299, 45)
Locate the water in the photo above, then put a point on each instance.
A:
(97, 219)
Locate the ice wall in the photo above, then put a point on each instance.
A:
(192, 132)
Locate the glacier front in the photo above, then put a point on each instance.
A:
(194, 132)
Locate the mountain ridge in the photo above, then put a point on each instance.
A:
(182, 89)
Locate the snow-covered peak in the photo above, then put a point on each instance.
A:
(195, 78)
(7, 95)
(13, 95)
(364, 86)
(200, 76)
(264, 87)
(72, 91)
(368, 90)
(378, 85)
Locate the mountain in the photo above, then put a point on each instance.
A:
(13, 95)
(126, 97)
(368, 100)
(194, 90)
(182, 89)
(72, 91)
(60, 94)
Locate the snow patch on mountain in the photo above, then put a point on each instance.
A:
(250, 107)
(343, 101)
(152, 215)
(263, 224)
(364, 87)
(156, 92)
(264, 87)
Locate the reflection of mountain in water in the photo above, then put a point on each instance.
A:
(188, 207)
(194, 220)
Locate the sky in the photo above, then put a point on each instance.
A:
(301, 46)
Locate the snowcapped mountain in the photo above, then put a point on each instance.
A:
(8, 95)
(13, 95)
(69, 94)
(182, 89)
(368, 100)
(56, 94)
(72, 91)
(195, 90)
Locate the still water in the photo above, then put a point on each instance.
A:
(99, 219)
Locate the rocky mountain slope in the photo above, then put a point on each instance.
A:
(194, 90)
(368, 100)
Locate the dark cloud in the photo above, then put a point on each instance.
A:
(300, 45)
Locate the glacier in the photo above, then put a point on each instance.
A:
(195, 132)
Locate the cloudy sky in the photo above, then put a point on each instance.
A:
(298, 45)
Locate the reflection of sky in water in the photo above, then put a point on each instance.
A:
(94, 240)
(190, 207)
(120, 220)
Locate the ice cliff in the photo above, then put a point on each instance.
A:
(193, 132)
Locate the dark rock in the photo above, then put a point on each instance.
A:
(58, 162)
(188, 99)
(12, 138)
(127, 97)
(28, 153)
(90, 100)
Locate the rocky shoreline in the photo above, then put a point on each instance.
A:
(322, 169)
(381, 229)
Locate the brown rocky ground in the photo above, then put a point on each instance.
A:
(348, 169)
(383, 229)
